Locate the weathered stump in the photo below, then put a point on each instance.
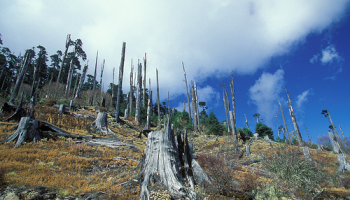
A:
(169, 166)
(343, 163)
(306, 152)
(101, 123)
(61, 109)
(27, 131)
(334, 142)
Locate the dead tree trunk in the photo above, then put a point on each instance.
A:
(131, 94)
(170, 166)
(225, 104)
(197, 109)
(102, 68)
(76, 84)
(234, 134)
(19, 80)
(285, 124)
(307, 134)
(233, 115)
(68, 41)
(149, 108)
(94, 83)
(278, 130)
(195, 128)
(70, 76)
(81, 82)
(138, 99)
(246, 121)
(335, 144)
(188, 96)
(120, 82)
(113, 87)
(144, 103)
(61, 109)
(341, 130)
(296, 127)
(27, 131)
(158, 103)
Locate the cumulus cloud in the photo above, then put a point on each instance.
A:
(329, 54)
(211, 37)
(265, 94)
(302, 98)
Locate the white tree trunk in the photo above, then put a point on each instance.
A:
(94, 83)
(120, 82)
(138, 99)
(188, 96)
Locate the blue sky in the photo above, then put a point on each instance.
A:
(269, 45)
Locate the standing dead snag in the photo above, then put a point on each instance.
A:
(196, 105)
(120, 82)
(138, 99)
(284, 121)
(292, 115)
(158, 103)
(195, 127)
(164, 167)
(102, 68)
(131, 93)
(68, 43)
(233, 116)
(225, 105)
(149, 107)
(94, 83)
(20, 78)
(81, 81)
(144, 80)
(188, 96)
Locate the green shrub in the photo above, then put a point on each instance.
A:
(263, 129)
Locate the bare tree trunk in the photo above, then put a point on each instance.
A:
(144, 80)
(278, 130)
(233, 111)
(68, 40)
(188, 96)
(69, 79)
(285, 124)
(291, 111)
(19, 80)
(113, 87)
(138, 99)
(168, 103)
(34, 86)
(246, 121)
(76, 85)
(195, 128)
(234, 134)
(149, 109)
(226, 111)
(335, 144)
(197, 109)
(94, 83)
(307, 134)
(119, 93)
(81, 82)
(341, 130)
(131, 94)
(158, 103)
(102, 68)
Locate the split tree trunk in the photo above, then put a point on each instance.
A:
(131, 93)
(94, 83)
(196, 104)
(120, 82)
(285, 124)
(144, 80)
(138, 99)
(102, 68)
(68, 40)
(19, 80)
(81, 82)
(170, 166)
(188, 96)
(225, 104)
(296, 127)
(158, 103)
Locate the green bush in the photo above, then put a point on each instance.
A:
(263, 129)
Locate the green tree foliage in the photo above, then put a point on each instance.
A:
(41, 62)
(55, 65)
(89, 83)
(203, 114)
(263, 129)
(245, 131)
(213, 124)
(181, 120)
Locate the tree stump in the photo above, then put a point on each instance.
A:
(27, 131)
(306, 152)
(169, 166)
(343, 163)
(101, 123)
(61, 109)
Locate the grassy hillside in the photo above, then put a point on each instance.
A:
(71, 167)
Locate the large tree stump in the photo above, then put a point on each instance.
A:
(101, 123)
(27, 131)
(343, 163)
(170, 166)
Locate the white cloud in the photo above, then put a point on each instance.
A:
(265, 94)
(314, 59)
(211, 37)
(329, 54)
(302, 98)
